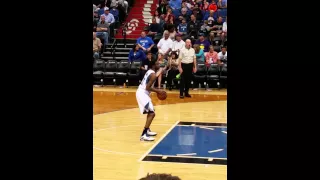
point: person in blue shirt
(115, 12)
(175, 4)
(199, 53)
(136, 54)
(145, 43)
(183, 27)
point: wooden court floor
(117, 126)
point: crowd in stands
(106, 15)
(204, 22)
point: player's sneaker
(146, 138)
(150, 133)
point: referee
(187, 64)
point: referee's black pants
(186, 78)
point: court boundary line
(158, 106)
(155, 144)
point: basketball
(162, 96)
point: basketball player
(144, 100)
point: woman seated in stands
(172, 33)
(205, 5)
(169, 16)
(211, 56)
(136, 54)
(211, 38)
(173, 68)
(163, 66)
(199, 53)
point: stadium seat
(98, 68)
(134, 71)
(214, 74)
(223, 75)
(122, 71)
(217, 41)
(110, 70)
(201, 75)
(217, 48)
(222, 12)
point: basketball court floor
(191, 141)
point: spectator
(222, 56)
(221, 4)
(136, 54)
(165, 44)
(175, 4)
(169, 25)
(199, 53)
(124, 4)
(205, 6)
(173, 62)
(172, 33)
(213, 6)
(154, 28)
(224, 32)
(219, 22)
(193, 25)
(217, 26)
(145, 43)
(211, 38)
(205, 28)
(156, 16)
(95, 22)
(101, 10)
(203, 43)
(145, 65)
(96, 46)
(122, 13)
(163, 66)
(211, 56)
(184, 14)
(169, 17)
(94, 7)
(109, 18)
(198, 14)
(183, 28)
(102, 30)
(162, 8)
(178, 44)
(160, 177)
(211, 19)
(115, 12)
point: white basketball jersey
(145, 81)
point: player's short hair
(160, 177)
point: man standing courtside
(187, 64)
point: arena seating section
(113, 67)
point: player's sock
(144, 131)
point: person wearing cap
(109, 17)
(203, 43)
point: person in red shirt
(211, 56)
(213, 6)
(169, 16)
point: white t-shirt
(164, 45)
(224, 27)
(221, 56)
(178, 45)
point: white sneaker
(146, 138)
(149, 133)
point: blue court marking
(193, 139)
